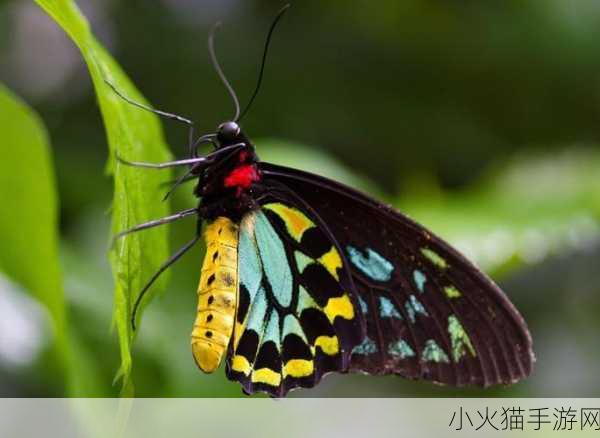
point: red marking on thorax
(242, 177)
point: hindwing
(298, 316)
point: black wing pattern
(430, 313)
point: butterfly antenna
(264, 59)
(219, 70)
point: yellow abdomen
(217, 295)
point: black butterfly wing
(430, 313)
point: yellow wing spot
(339, 306)
(434, 258)
(240, 364)
(329, 344)
(295, 221)
(452, 292)
(266, 375)
(298, 368)
(332, 262)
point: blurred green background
(479, 119)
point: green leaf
(133, 134)
(29, 219)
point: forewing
(298, 317)
(430, 313)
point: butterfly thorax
(228, 187)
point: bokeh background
(479, 119)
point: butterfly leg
(165, 165)
(198, 162)
(182, 180)
(186, 177)
(166, 115)
(155, 223)
(189, 175)
(176, 256)
(194, 169)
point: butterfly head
(229, 133)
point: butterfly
(304, 276)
